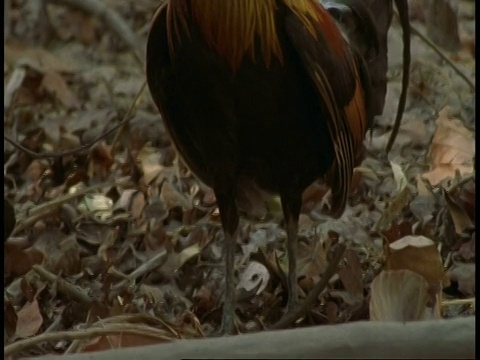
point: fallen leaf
(398, 295)
(254, 278)
(452, 149)
(54, 84)
(399, 176)
(351, 274)
(460, 218)
(149, 162)
(418, 254)
(29, 320)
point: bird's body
(259, 94)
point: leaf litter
(121, 241)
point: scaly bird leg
(291, 211)
(230, 219)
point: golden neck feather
(231, 26)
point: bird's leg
(230, 219)
(291, 211)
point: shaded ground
(120, 237)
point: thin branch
(444, 57)
(72, 291)
(107, 329)
(55, 154)
(312, 296)
(32, 215)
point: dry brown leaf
(418, 254)
(452, 149)
(29, 320)
(460, 218)
(19, 261)
(55, 85)
(149, 162)
(398, 295)
(351, 274)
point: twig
(153, 263)
(112, 19)
(55, 154)
(128, 115)
(145, 318)
(444, 57)
(402, 7)
(107, 329)
(72, 291)
(314, 293)
(45, 209)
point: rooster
(260, 96)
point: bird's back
(259, 120)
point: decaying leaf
(255, 278)
(460, 218)
(29, 320)
(452, 149)
(418, 254)
(399, 295)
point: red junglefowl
(259, 94)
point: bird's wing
(341, 81)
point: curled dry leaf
(418, 254)
(254, 279)
(398, 295)
(399, 176)
(149, 162)
(452, 149)
(97, 205)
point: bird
(260, 96)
